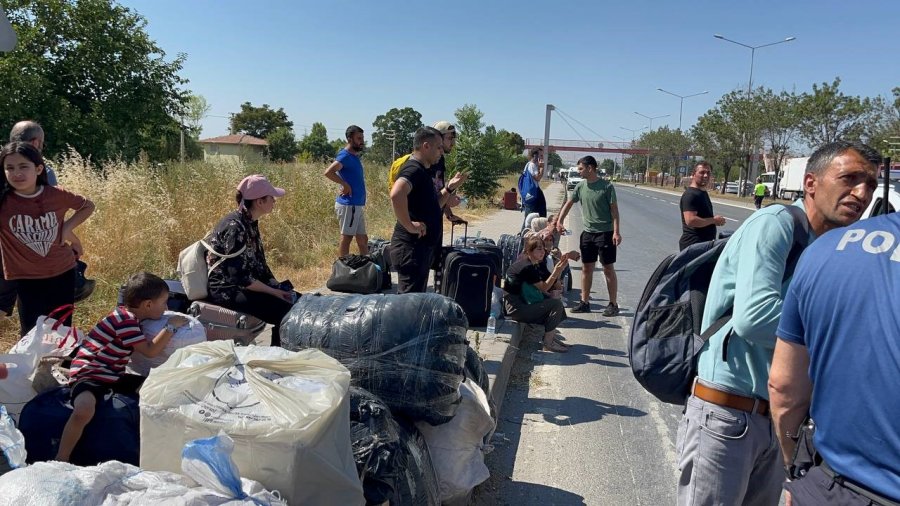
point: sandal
(555, 347)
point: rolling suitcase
(221, 323)
(510, 247)
(468, 276)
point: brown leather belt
(730, 400)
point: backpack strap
(222, 257)
(799, 243)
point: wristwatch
(171, 328)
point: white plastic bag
(191, 333)
(12, 443)
(287, 412)
(456, 446)
(49, 337)
(116, 484)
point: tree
(259, 121)
(886, 134)
(282, 145)
(476, 153)
(315, 144)
(780, 121)
(667, 148)
(608, 166)
(511, 142)
(399, 123)
(90, 74)
(827, 115)
(718, 137)
(195, 109)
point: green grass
(146, 215)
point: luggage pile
(419, 415)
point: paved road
(578, 429)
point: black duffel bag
(355, 274)
(409, 349)
(112, 434)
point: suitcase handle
(465, 231)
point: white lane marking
(661, 428)
(730, 219)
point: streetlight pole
(750, 86)
(633, 130)
(651, 128)
(681, 98)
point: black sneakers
(611, 310)
(581, 307)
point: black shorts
(128, 384)
(97, 388)
(598, 244)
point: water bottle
(491, 330)
(565, 283)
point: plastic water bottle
(491, 330)
(565, 288)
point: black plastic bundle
(409, 350)
(376, 446)
(418, 485)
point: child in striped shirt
(104, 353)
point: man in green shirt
(600, 215)
(759, 191)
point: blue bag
(529, 189)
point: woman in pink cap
(244, 282)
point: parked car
(731, 188)
(573, 178)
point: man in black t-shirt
(417, 206)
(698, 224)
(439, 169)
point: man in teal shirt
(727, 446)
(600, 237)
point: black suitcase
(510, 247)
(468, 276)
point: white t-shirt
(532, 168)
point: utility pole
(181, 128)
(547, 138)
(392, 135)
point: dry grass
(145, 215)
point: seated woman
(244, 282)
(524, 292)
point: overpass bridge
(617, 147)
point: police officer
(838, 353)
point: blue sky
(343, 63)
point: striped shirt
(105, 351)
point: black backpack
(665, 336)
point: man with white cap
(244, 282)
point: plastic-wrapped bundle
(376, 446)
(418, 485)
(409, 349)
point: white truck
(791, 184)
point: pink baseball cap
(257, 186)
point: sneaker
(611, 310)
(581, 307)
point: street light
(651, 128)
(682, 97)
(750, 85)
(753, 54)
